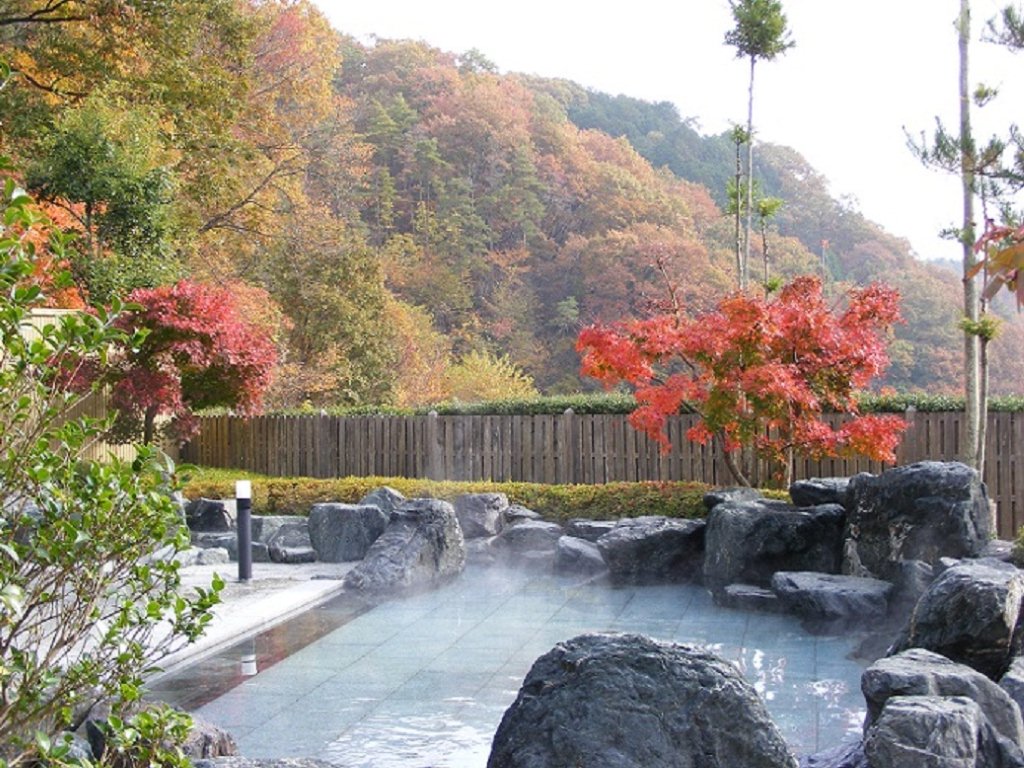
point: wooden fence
(567, 448)
(95, 405)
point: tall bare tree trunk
(750, 178)
(971, 449)
(739, 214)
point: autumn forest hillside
(398, 216)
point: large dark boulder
(573, 555)
(816, 491)
(421, 547)
(832, 597)
(918, 672)
(480, 514)
(970, 614)
(264, 527)
(1013, 681)
(627, 701)
(341, 533)
(936, 732)
(591, 530)
(718, 496)
(922, 511)
(516, 513)
(527, 542)
(653, 549)
(385, 498)
(291, 544)
(208, 516)
(747, 542)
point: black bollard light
(243, 501)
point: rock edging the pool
(909, 548)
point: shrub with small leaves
(90, 595)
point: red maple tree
(197, 352)
(760, 372)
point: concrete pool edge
(275, 594)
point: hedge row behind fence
(567, 448)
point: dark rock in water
(627, 701)
(721, 495)
(208, 740)
(747, 542)
(1013, 681)
(341, 533)
(591, 530)
(385, 498)
(932, 731)
(747, 597)
(291, 544)
(819, 490)
(921, 511)
(970, 615)
(421, 547)
(847, 755)
(918, 672)
(514, 514)
(479, 514)
(527, 542)
(574, 555)
(208, 515)
(653, 549)
(831, 596)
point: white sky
(860, 72)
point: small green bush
(557, 503)
(619, 403)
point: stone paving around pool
(424, 680)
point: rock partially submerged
(421, 547)
(480, 514)
(748, 542)
(929, 731)
(832, 597)
(343, 533)
(922, 511)
(918, 672)
(970, 614)
(819, 490)
(627, 701)
(653, 549)
(573, 555)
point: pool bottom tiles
(424, 681)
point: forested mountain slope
(403, 207)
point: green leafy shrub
(86, 607)
(558, 503)
(619, 403)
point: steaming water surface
(424, 681)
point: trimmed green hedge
(557, 503)
(600, 403)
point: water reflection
(426, 680)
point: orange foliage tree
(760, 372)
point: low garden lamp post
(243, 501)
